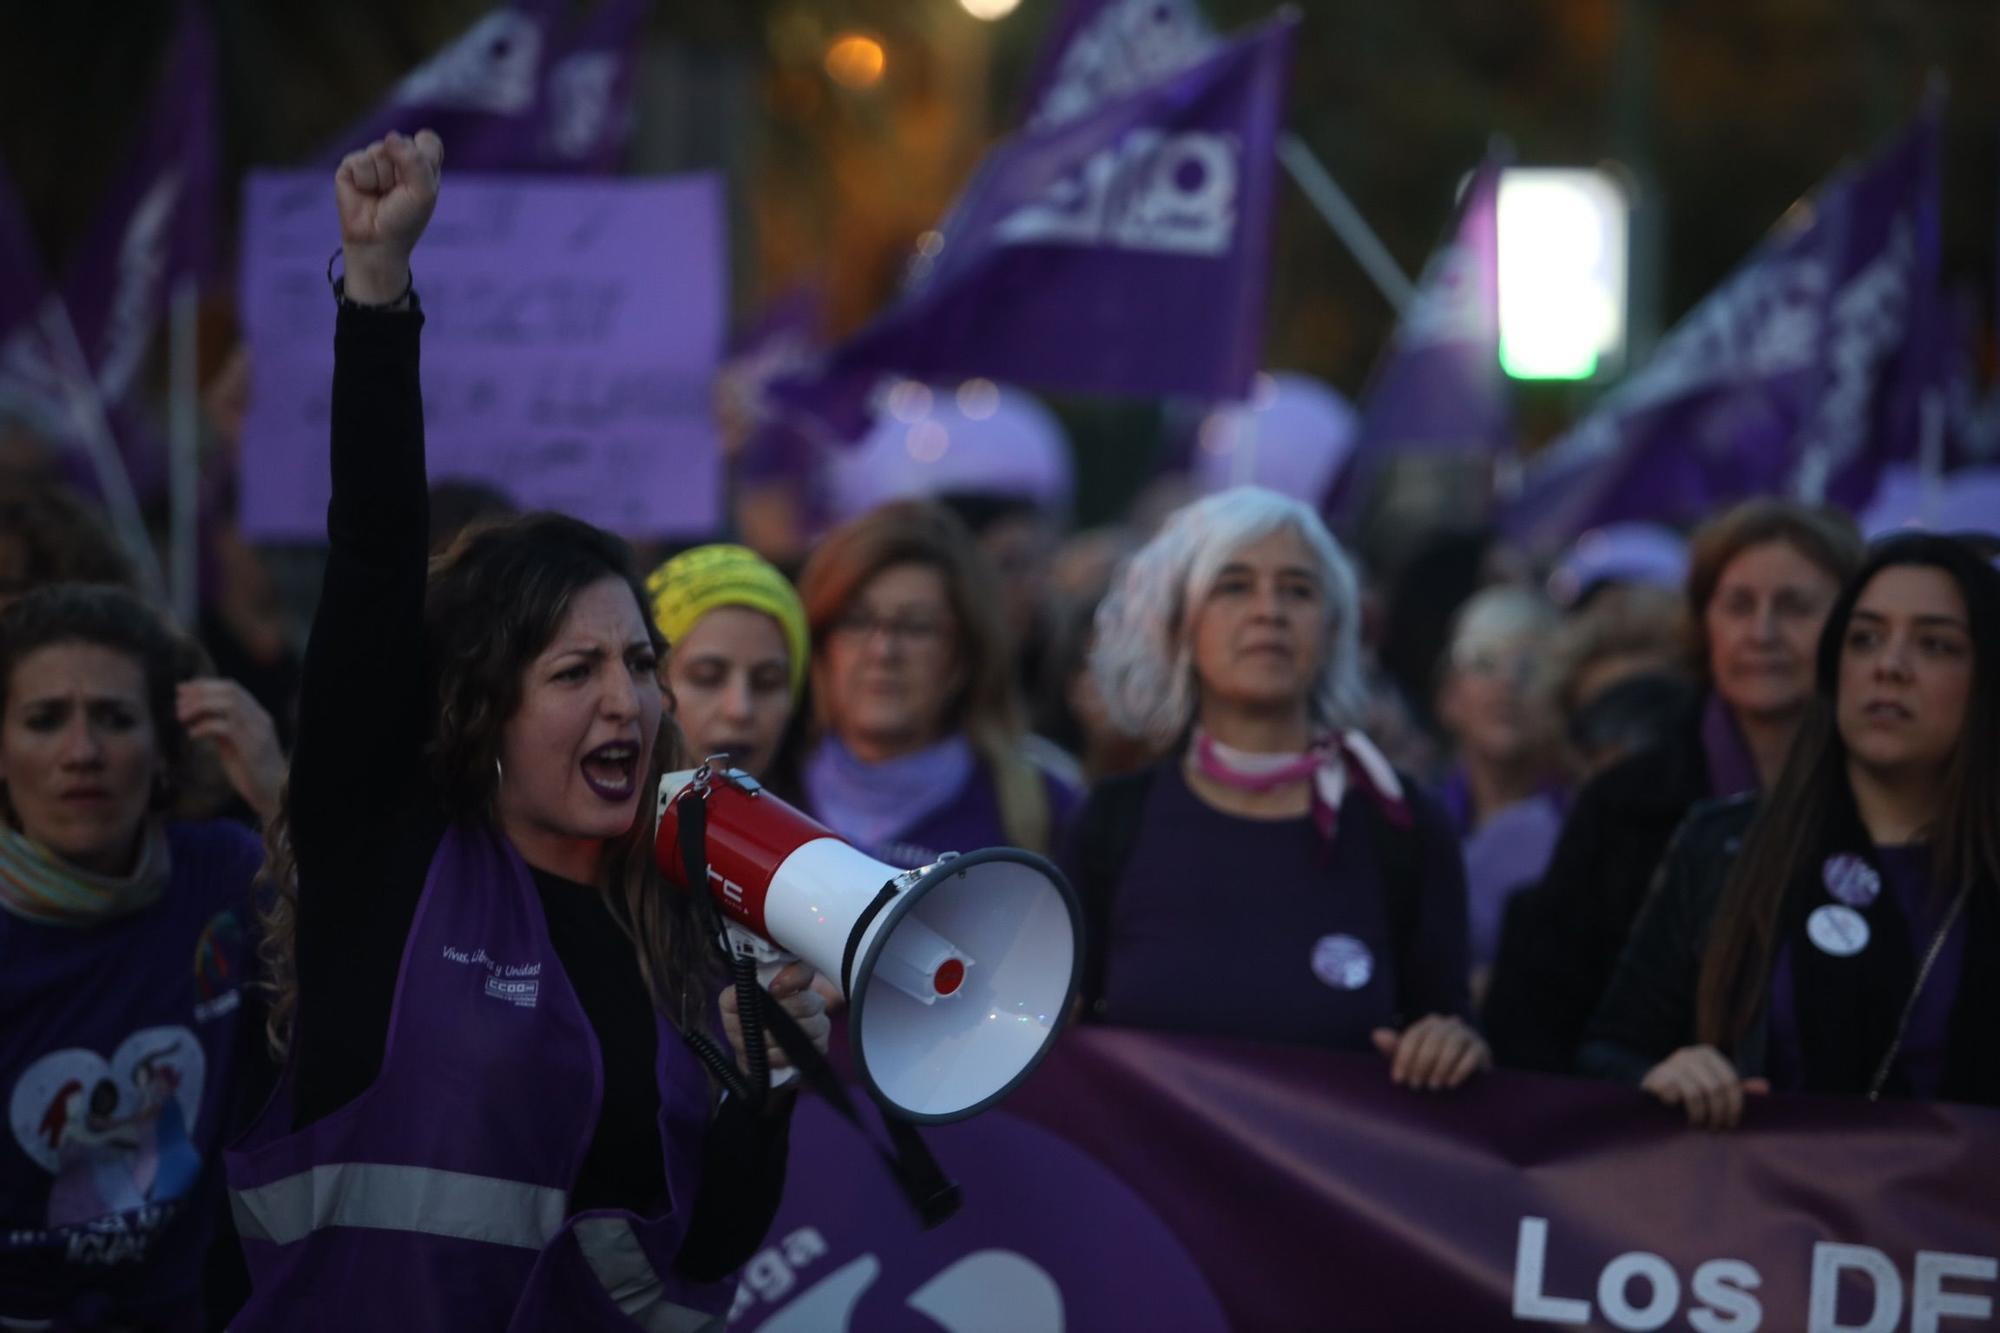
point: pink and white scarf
(1334, 762)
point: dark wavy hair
(116, 618)
(1791, 832)
(494, 601)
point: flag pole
(100, 446)
(1930, 455)
(183, 454)
(1339, 213)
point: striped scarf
(38, 885)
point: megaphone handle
(750, 1010)
(933, 1194)
(692, 832)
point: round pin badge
(1342, 962)
(1850, 880)
(1837, 930)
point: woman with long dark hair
(1836, 940)
(1760, 580)
(492, 1117)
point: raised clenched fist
(386, 193)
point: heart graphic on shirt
(74, 1103)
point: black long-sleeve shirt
(366, 822)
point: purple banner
(1147, 1181)
(1124, 252)
(514, 92)
(574, 329)
(1439, 387)
(1795, 377)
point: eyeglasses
(915, 631)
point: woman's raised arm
(362, 721)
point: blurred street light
(855, 60)
(1562, 272)
(989, 10)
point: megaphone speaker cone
(994, 1009)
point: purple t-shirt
(1906, 875)
(119, 1044)
(1259, 928)
(1507, 853)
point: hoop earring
(499, 775)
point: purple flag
(90, 335)
(35, 386)
(782, 340)
(1438, 387)
(23, 285)
(158, 223)
(1121, 253)
(1100, 50)
(514, 93)
(1792, 378)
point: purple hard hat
(977, 437)
(1967, 500)
(1643, 553)
(1293, 436)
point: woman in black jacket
(1846, 946)
(1760, 580)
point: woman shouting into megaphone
(490, 1118)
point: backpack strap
(1106, 829)
(1399, 850)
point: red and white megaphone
(957, 975)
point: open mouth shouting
(612, 770)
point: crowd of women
(1715, 822)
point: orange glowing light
(856, 60)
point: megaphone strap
(881, 900)
(692, 814)
(917, 1173)
(923, 1182)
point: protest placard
(573, 329)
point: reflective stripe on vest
(464, 1207)
(612, 1250)
(400, 1198)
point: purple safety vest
(439, 1197)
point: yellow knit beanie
(695, 582)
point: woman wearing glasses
(918, 749)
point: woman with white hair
(1274, 877)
